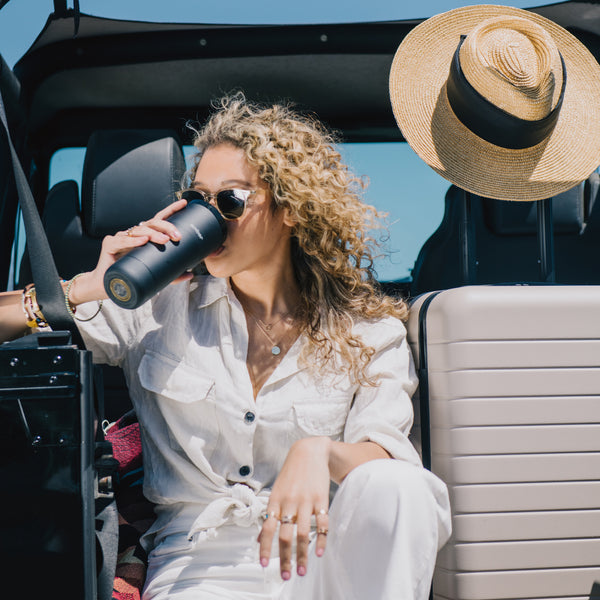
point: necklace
(264, 328)
(268, 326)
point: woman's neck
(267, 297)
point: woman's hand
(157, 229)
(300, 491)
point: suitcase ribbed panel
(516, 440)
(514, 401)
(538, 554)
(542, 410)
(586, 597)
(571, 466)
(540, 525)
(508, 585)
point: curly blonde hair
(332, 251)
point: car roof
(84, 72)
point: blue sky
(401, 184)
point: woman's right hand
(90, 286)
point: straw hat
(527, 93)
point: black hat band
(491, 122)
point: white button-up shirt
(211, 451)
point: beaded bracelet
(71, 309)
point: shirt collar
(208, 289)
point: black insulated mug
(141, 273)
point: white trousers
(386, 524)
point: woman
(280, 371)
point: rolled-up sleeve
(383, 413)
(110, 333)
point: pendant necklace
(264, 328)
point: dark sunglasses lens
(231, 203)
(191, 195)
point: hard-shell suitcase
(508, 414)
(47, 477)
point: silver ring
(287, 519)
(141, 223)
(272, 513)
(323, 511)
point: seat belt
(51, 300)
(50, 295)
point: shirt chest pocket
(186, 400)
(324, 416)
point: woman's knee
(388, 478)
(392, 491)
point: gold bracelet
(32, 308)
(31, 322)
(72, 309)
(94, 315)
(37, 311)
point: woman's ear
(287, 218)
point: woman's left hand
(300, 491)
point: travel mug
(141, 273)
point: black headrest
(128, 176)
(520, 218)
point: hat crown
(515, 65)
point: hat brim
(418, 94)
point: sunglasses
(230, 203)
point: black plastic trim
(424, 383)
(209, 42)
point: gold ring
(287, 519)
(128, 231)
(322, 531)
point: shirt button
(249, 417)
(244, 471)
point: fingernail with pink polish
(302, 570)
(285, 575)
(320, 551)
(264, 562)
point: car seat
(505, 241)
(128, 176)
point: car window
(411, 193)
(399, 184)
(406, 190)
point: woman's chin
(215, 267)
